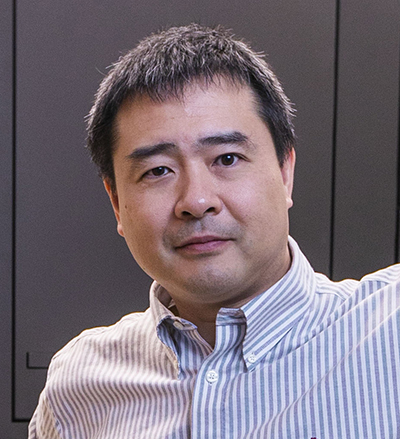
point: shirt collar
(271, 315)
(160, 303)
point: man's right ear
(112, 193)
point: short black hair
(162, 65)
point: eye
(227, 159)
(157, 172)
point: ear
(115, 204)
(287, 171)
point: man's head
(164, 64)
(193, 136)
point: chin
(213, 285)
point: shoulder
(382, 289)
(100, 356)
(382, 285)
(385, 276)
(75, 362)
(368, 284)
(375, 294)
(101, 344)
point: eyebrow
(144, 152)
(234, 137)
(147, 151)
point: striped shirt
(309, 358)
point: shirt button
(212, 376)
(178, 325)
(252, 358)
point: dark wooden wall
(62, 266)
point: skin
(201, 199)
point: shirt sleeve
(43, 424)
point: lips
(200, 240)
(202, 244)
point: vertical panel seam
(334, 138)
(15, 418)
(397, 222)
(13, 213)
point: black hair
(164, 64)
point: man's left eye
(227, 159)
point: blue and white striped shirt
(309, 358)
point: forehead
(200, 110)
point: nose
(198, 196)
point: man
(193, 137)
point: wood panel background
(62, 266)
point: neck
(203, 317)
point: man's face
(200, 197)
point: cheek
(143, 225)
(141, 236)
(262, 206)
(256, 196)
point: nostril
(199, 214)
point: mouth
(203, 244)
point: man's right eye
(157, 172)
